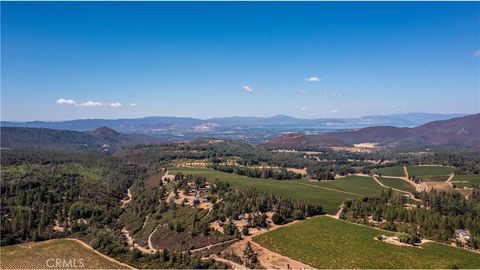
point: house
(462, 235)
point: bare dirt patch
(439, 186)
(267, 258)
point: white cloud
(63, 101)
(133, 104)
(313, 79)
(115, 104)
(334, 111)
(476, 53)
(304, 108)
(91, 104)
(247, 89)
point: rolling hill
(101, 139)
(462, 131)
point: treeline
(277, 174)
(437, 217)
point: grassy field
(42, 255)
(324, 242)
(429, 170)
(297, 189)
(364, 186)
(397, 183)
(391, 171)
(469, 179)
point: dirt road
(213, 245)
(128, 199)
(150, 245)
(132, 244)
(337, 215)
(234, 265)
(101, 254)
(405, 171)
(410, 195)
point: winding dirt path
(150, 245)
(132, 244)
(213, 245)
(128, 199)
(234, 265)
(101, 254)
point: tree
(229, 228)
(297, 214)
(277, 219)
(245, 230)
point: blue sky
(309, 60)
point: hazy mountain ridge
(185, 124)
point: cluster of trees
(251, 257)
(277, 174)
(237, 202)
(408, 238)
(321, 172)
(437, 217)
(181, 181)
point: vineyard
(58, 254)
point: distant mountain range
(462, 131)
(184, 125)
